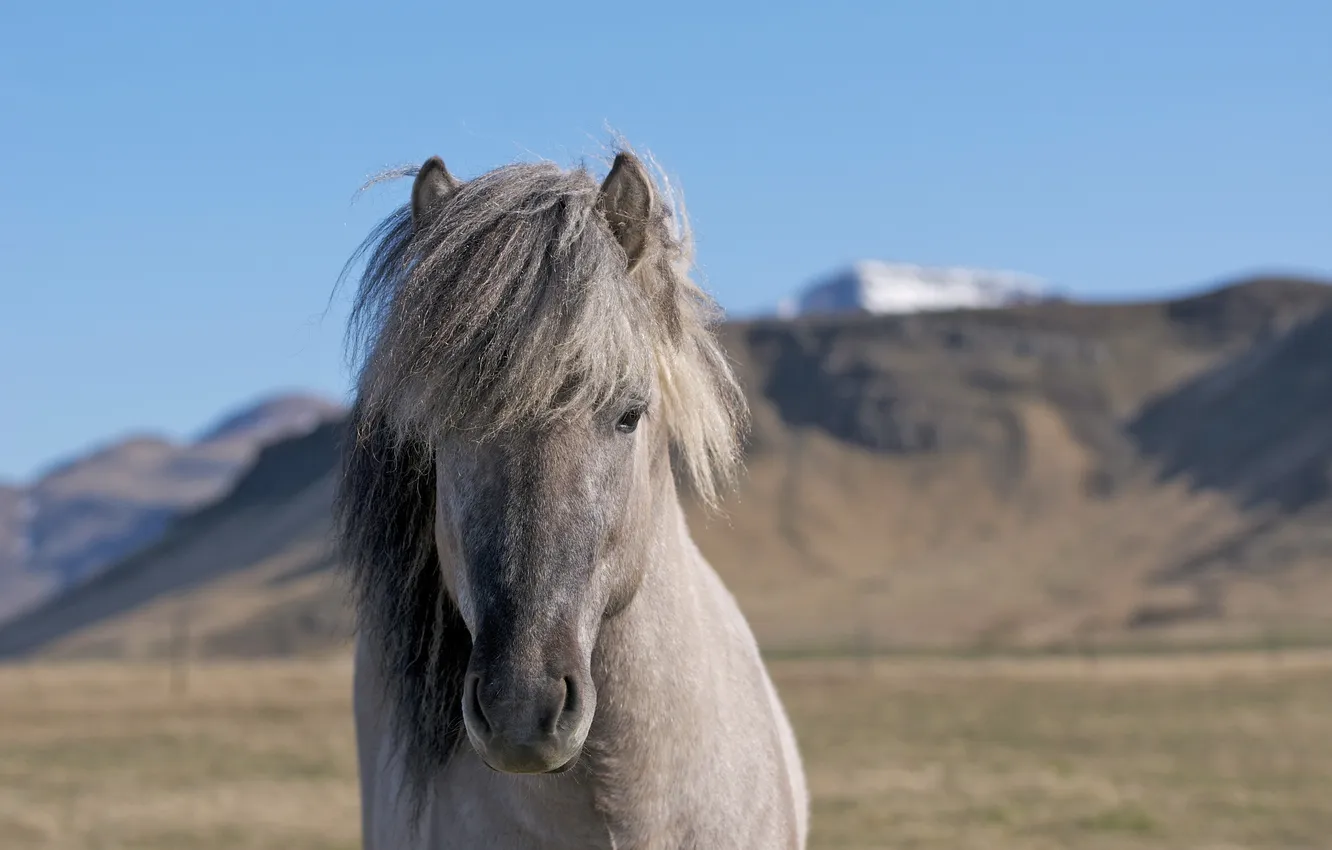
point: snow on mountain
(873, 286)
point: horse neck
(653, 658)
(667, 603)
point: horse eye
(628, 421)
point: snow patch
(873, 286)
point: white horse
(545, 659)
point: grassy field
(1216, 751)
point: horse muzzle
(527, 724)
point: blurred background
(1030, 300)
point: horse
(543, 657)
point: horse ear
(626, 202)
(434, 185)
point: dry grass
(101, 757)
(1182, 752)
(1178, 753)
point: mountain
(1259, 430)
(1043, 474)
(100, 507)
(271, 419)
(872, 286)
(19, 588)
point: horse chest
(475, 806)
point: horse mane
(510, 306)
(384, 515)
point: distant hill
(100, 507)
(1257, 429)
(1034, 475)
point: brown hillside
(1025, 476)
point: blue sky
(177, 180)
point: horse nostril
(472, 695)
(572, 703)
(563, 705)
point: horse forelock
(513, 306)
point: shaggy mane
(513, 306)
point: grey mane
(384, 515)
(510, 308)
